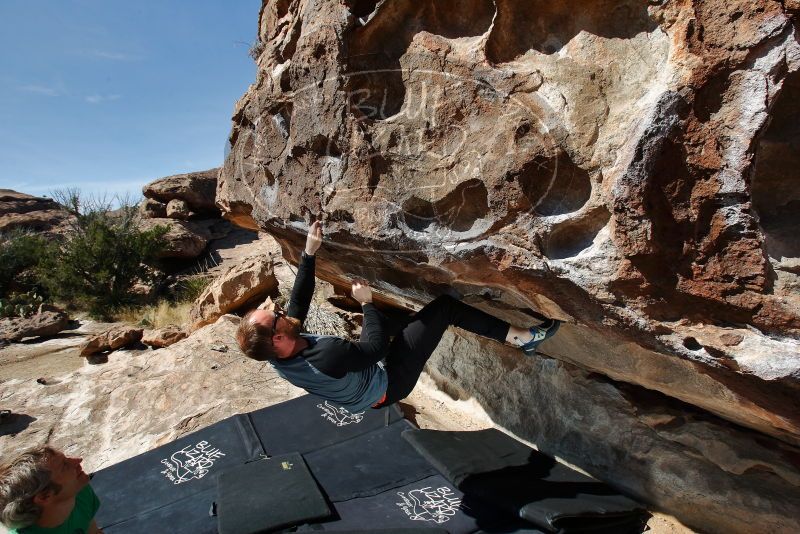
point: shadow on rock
(14, 423)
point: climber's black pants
(415, 343)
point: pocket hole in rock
(775, 184)
(555, 186)
(691, 343)
(457, 211)
(375, 78)
(573, 236)
(546, 26)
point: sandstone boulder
(712, 475)
(629, 169)
(179, 209)
(197, 189)
(18, 210)
(152, 209)
(185, 239)
(239, 244)
(47, 321)
(164, 337)
(245, 283)
(216, 229)
(112, 339)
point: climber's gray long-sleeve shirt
(346, 373)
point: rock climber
(373, 371)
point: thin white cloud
(112, 56)
(97, 99)
(40, 90)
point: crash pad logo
(426, 504)
(191, 462)
(339, 416)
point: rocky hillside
(628, 167)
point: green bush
(98, 264)
(20, 253)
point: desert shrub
(20, 253)
(255, 49)
(20, 304)
(96, 266)
(190, 288)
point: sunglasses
(278, 314)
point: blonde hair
(20, 481)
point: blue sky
(110, 95)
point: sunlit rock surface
(629, 167)
(46, 321)
(115, 338)
(139, 399)
(192, 191)
(187, 239)
(248, 282)
(159, 338)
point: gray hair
(20, 481)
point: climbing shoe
(540, 333)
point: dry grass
(166, 312)
(156, 315)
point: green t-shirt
(86, 505)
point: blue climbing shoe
(540, 333)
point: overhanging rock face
(627, 166)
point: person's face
(67, 473)
(283, 343)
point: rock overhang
(595, 169)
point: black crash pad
(492, 467)
(379, 479)
(268, 494)
(309, 423)
(190, 514)
(372, 479)
(171, 488)
(430, 503)
(175, 471)
(368, 464)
